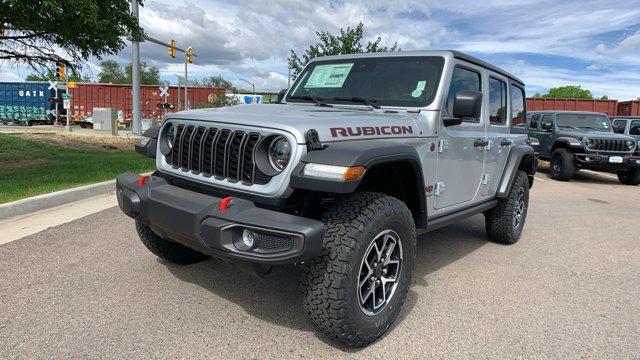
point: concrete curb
(46, 201)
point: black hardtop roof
(565, 112)
(475, 60)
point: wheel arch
(521, 157)
(392, 168)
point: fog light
(247, 238)
(587, 158)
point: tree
(220, 101)
(111, 72)
(215, 81)
(349, 41)
(604, 97)
(50, 75)
(567, 92)
(39, 33)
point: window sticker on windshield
(328, 76)
(419, 88)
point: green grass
(29, 168)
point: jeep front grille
(221, 153)
(609, 145)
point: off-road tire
(499, 221)
(330, 281)
(566, 167)
(167, 250)
(629, 176)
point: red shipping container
(608, 107)
(629, 108)
(87, 96)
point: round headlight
(589, 142)
(279, 153)
(630, 144)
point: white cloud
(593, 67)
(9, 77)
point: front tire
(505, 222)
(355, 289)
(167, 250)
(562, 165)
(630, 176)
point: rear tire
(348, 294)
(630, 176)
(562, 165)
(168, 250)
(505, 222)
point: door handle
(505, 142)
(480, 143)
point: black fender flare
(519, 154)
(148, 142)
(569, 142)
(365, 153)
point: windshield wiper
(592, 128)
(370, 102)
(569, 126)
(318, 101)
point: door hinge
(442, 146)
(439, 189)
(486, 178)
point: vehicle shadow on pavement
(277, 298)
(585, 177)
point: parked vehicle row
(572, 141)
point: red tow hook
(142, 179)
(225, 203)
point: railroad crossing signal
(172, 51)
(60, 70)
(53, 84)
(164, 91)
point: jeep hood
(593, 134)
(332, 124)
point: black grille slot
(270, 243)
(175, 153)
(207, 151)
(196, 143)
(222, 153)
(220, 150)
(247, 158)
(233, 155)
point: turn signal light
(333, 172)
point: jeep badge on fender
(363, 154)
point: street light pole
(186, 84)
(135, 72)
(179, 77)
(250, 83)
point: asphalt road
(569, 289)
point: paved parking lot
(569, 289)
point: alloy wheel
(519, 208)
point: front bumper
(605, 160)
(196, 220)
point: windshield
(583, 121)
(404, 81)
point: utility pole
(289, 78)
(178, 76)
(135, 71)
(188, 58)
(253, 86)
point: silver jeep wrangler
(363, 154)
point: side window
(497, 101)
(635, 128)
(547, 119)
(619, 125)
(462, 80)
(535, 119)
(517, 106)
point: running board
(444, 220)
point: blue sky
(595, 44)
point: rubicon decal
(370, 130)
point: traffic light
(189, 54)
(60, 70)
(172, 51)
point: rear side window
(547, 119)
(619, 125)
(534, 121)
(517, 106)
(497, 101)
(635, 128)
(462, 80)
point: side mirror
(148, 142)
(467, 104)
(547, 126)
(281, 94)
